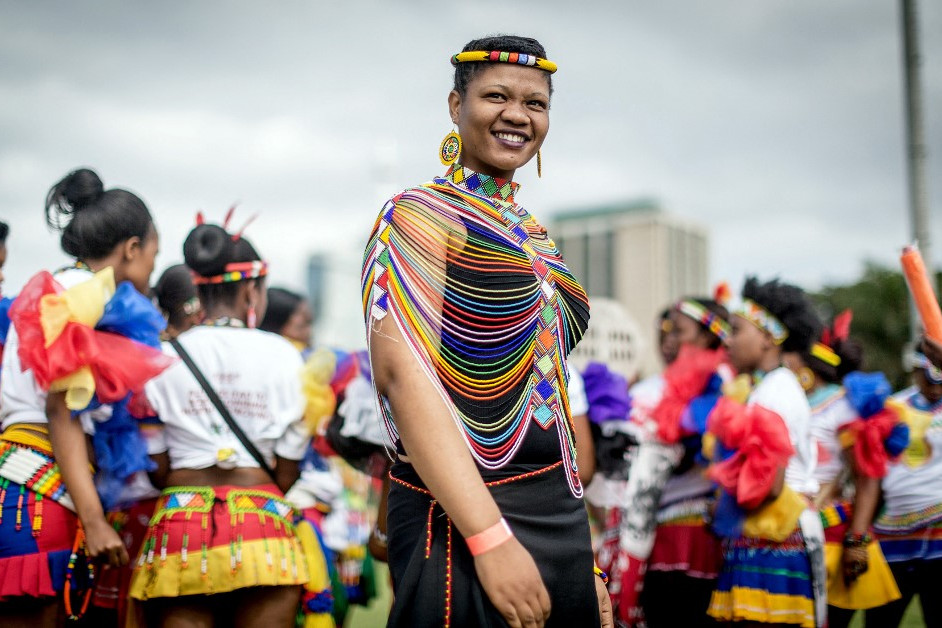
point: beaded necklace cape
(488, 307)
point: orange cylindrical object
(920, 286)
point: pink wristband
(489, 539)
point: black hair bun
(207, 250)
(81, 188)
(851, 353)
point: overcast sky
(779, 124)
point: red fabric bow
(762, 446)
(119, 365)
(869, 435)
(684, 379)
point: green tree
(880, 302)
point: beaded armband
(601, 574)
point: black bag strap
(221, 408)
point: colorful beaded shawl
(487, 305)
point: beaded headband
(933, 373)
(237, 271)
(716, 325)
(764, 320)
(496, 56)
(825, 354)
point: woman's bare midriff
(214, 476)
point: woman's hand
(605, 604)
(513, 584)
(854, 563)
(103, 544)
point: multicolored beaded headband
(237, 271)
(825, 354)
(716, 325)
(920, 361)
(496, 56)
(764, 320)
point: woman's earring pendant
(450, 149)
(539, 164)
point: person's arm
(438, 452)
(71, 452)
(867, 495)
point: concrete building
(637, 255)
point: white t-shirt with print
(256, 375)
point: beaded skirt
(214, 539)
(36, 530)
(765, 581)
(875, 587)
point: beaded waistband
(31, 465)
(909, 522)
(192, 500)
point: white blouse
(256, 375)
(780, 392)
(829, 414)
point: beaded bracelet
(601, 574)
(490, 538)
(857, 540)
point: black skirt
(433, 574)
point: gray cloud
(778, 123)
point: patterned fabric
(924, 543)
(764, 581)
(36, 536)
(683, 541)
(213, 539)
(487, 306)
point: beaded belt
(26, 459)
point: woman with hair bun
(221, 545)
(471, 313)
(289, 316)
(176, 296)
(59, 362)
(846, 407)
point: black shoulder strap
(221, 407)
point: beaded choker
(764, 320)
(236, 271)
(497, 56)
(716, 325)
(224, 321)
(482, 184)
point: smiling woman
(470, 314)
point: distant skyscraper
(637, 255)
(333, 286)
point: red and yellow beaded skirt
(214, 539)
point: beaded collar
(223, 321)
(482, 184)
